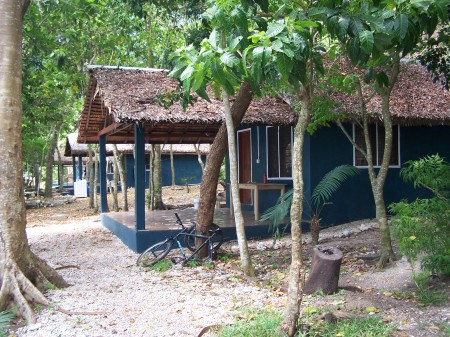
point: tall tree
(23, 275)
(50, 160)
(281, 52)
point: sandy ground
(110, 296)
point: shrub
(421, 227)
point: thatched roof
(73, 148)
(117, 98)
(415, 100)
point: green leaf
(331, 182)
(382, 79)
(401, 26)
(285, 65)
(275, 29)
(214, 39)
(201, 91)
(187, 73)
(178, 69)
(356, 27)
(234, 43)
(264, 4)
(354, 50)
(342, 26)
(217, 72)
(423, 5)
(366, 41)
(229, 59)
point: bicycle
(159, 250)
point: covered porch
(162, 223)
(123, 106)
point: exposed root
(385, 259)
(22, 289)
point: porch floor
(161, 224)
(166, 220)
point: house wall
(329, 148)
(354, 200)
(186, 166)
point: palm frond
(5, 318)
(331, 182)
(275, 214)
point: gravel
(109, 295)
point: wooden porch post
(139, 176)
(74, 169)
(102, 169)
(80, 166)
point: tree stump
(325, 269)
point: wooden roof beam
(113, 128)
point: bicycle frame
(208, 241)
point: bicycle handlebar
(179, 220)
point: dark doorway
(245, 164)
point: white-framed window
(279, 143)
(376, 134)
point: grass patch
(372, 326)
(162, 266)
(428, 294)
(253, 323)
(264, 323)
(5, 318)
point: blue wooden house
(185, 160)
(421, 116)
(123, 106)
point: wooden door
(245, 164)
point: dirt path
(111, 296)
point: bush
(421, 227)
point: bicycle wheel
(189, 240)
(154, 253)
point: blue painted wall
(354, 200)
(186, 166)
(329, 148)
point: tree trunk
(115, 185)
(296, 273)
(37, 181)
(246, 262)
(325, 270)
(199, 157)
(23, 275)
(208, 186)
(157, 181)
(50, 160)
(60, 172)
(92, 173)
(123, 181)
(96, 161)
(151, 194)
(172, 167)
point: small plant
(209, 265)
(5, 318)
(402, 295)
(421, 227)
(320, 196)
(193, 263)
(319, 323)
(162, 266)
(428, 294)
(251, 322)
(185, 181)
(225, 257)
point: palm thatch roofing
(73, 148)
(117, 98)
(415, 99)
